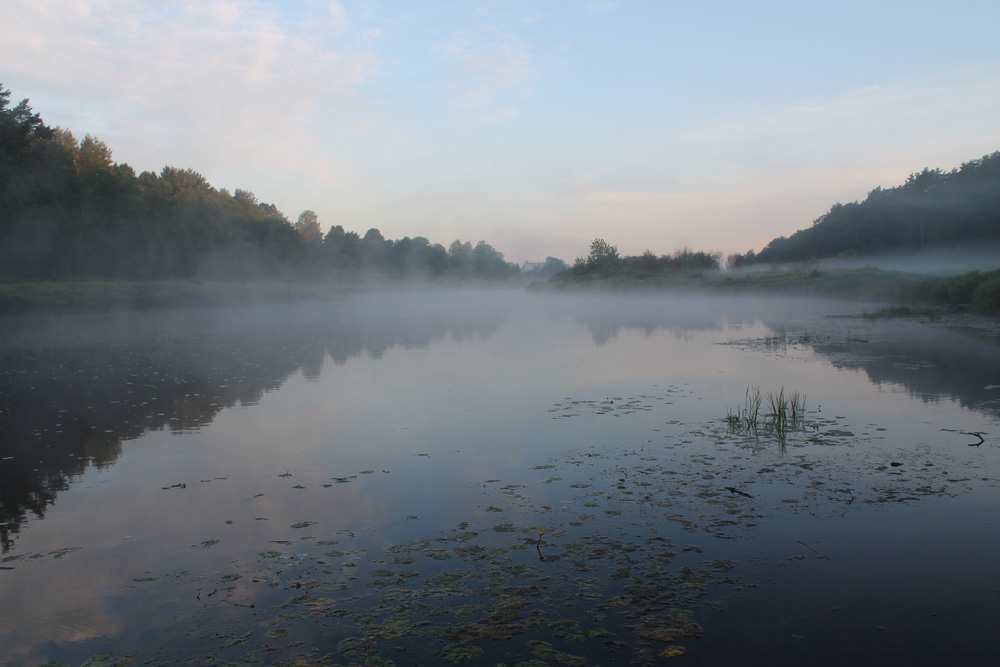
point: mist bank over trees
(689, 271)
(68, 211)
(932, 209)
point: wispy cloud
(484, 63)
(223, 74)
(871, 104)
(599, 6)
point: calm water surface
(496, 477)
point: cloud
(483, 64)
(198, 82)
(338, 16)
(599, 6)
(852, 110)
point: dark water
(487, 478)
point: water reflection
(401, 484)
(683, 315)
(73, 390)
(680, 315)
(931, 363)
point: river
(487, 477)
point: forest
(68, 211)
(932, 209)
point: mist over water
(388, 476)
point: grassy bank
(977, 290)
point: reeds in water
(745, 418)
(785, 410)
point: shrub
(986, 297)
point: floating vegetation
(55, 554)
(460, 652)
(557, 594)
(101, 660)
(605, 568)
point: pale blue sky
(535, 126)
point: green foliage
(933, 208)
(737, 261)
(986, 297)
(784, 411)
(308, 226)
(604, 263)
(746, 418)
(69, 212)
(603, 256)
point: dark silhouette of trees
(603, 256)
(69, 211)
(604, 261)
(737, 261)
(308, 226)
(543, 271)
(932, 208)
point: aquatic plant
(784, 411)
(778, 340)
(745, 418)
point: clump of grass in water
(746, 418)
(778, 340)
(779, 410)
(785, 411)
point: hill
(933, 208)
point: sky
(536, 126)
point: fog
(938, 261)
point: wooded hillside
(932, 208)
(68, 211)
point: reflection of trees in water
(680, 317)
(67, 405)
(930, 362)
(605, 332)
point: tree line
(604, 261)
(933, 208)
(68, 211)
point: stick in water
(821, 554)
